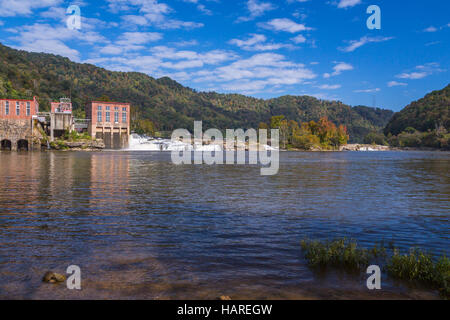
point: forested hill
(165, 102)
(428, 113)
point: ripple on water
(140, 227)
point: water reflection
(140, 227)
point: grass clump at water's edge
(338, 253)
(416, 267)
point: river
(140, 227)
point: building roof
(110, 102)
(16, 100)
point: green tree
(275, 122)
(375, 138)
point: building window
(108, 108)
(108, 117)
(99, 108)
(28, 109)
(99, 116)
(116, 117)
(18, 108)
(124, 109)
(116, 108)
(7, 108)
(124, 117)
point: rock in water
(53, 277)
(224, 298)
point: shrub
(417, 266)
(75, 136)
(339, 253)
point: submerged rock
(53, 277)
(225, 298)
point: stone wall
(15, 130)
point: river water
(140, 227)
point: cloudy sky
(263, 48)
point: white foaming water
(143, 143)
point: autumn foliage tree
(322, 135)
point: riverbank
(81, 145)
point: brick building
(63, 106)
(110, 121)
(18, 109)
(16, 125)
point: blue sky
(262, 48)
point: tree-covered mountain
(422, 124)
(426, 114)
(168, 104)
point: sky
(261, 48)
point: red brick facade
(110, 121)
(18, 109)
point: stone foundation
(18, 132)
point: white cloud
(260, 72)
(200, 7)
(210, 57)
(329, 87)
(284, 24)
(348, 3)
(134, 19)
(150, 12)
(257, 42)
(204, 10)
(421, 71)
(338, 69)
(432, 43)
(299, 39)
(256, 9)
(322, 96)
(147, 64)
(396, 84)
(368, 90)
(27, 34)
(355, 44)
(49, 39)
(131, 38)
(57, 13)
(430, 29)
(185, 43)
(11, 8)
(53, 46)
(163, 59)
(131, 41)
(412, 75)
